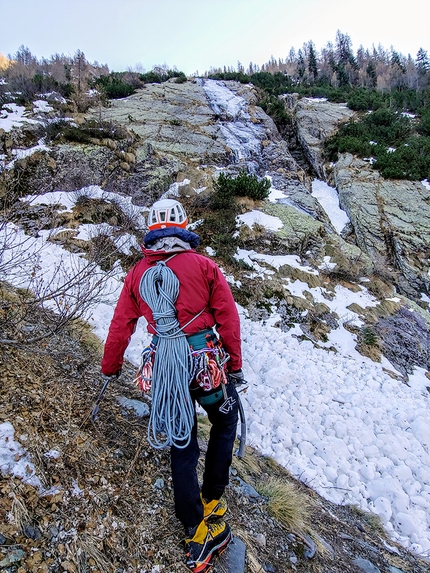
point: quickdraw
(208, 373)
(143, 378)
(209, 367)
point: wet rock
(365, 565)
(391, 221)
(405, 339)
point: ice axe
(242, 438)
(96, 407)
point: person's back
(203, 301)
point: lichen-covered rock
(317, 119)
(391, 220)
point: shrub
(85, 132)
(362, 99)
(276, 109)
(113, 86)
(410, 160)
(243, 185)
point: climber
(204, 301)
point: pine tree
(312, 61)
(371, 74)
(301, 65)
(422, 61)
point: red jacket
(202, 286)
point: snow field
(347, 429)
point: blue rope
(172, 411)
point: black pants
(223, 415)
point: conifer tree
(422, 61)
(371, 74)
(301, 65)
(312, 61)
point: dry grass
(19, 514)
(287, 504)
(86, 553)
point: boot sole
(216, 551)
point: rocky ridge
(186, 133)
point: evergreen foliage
(113, 86)
(227, 187)
(389, 138)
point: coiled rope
(172, 411)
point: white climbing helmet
(167, 213)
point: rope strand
(172, 411)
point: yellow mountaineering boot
(213, 509)
(208, 540)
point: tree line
(23, 76)
(335, 71)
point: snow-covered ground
(336, 420)
(329, 201)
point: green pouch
(211, 398)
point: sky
(195, 35)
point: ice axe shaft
(96, 407)
(242, 438)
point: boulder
(317, 119)
(391, 220)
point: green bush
(113, 86)
(244, 185)
(276, 109)
(424, 125)
(399, 153)
(85, 132)
(411, 160)
(362, 99)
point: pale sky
(194, 35)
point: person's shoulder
(202, 259)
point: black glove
(110, 377)
(237, 378)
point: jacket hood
(154, 256)
(188, 236)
